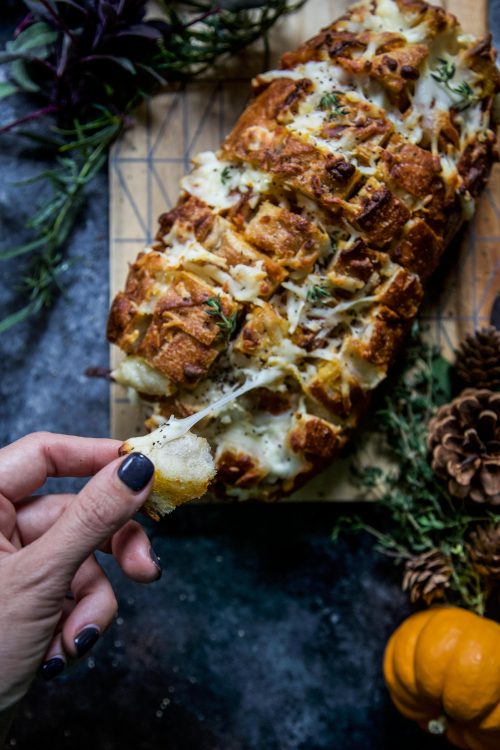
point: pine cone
(478, 359)
(484, 550)
(464, 438)
(427, 576)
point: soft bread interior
(184, 467)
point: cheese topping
(386, 17)
(136, 373)
(430, 101)
(266, 438)
(336, 311)
(220, 183)
(183, 248)
(241, 281)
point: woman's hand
(55, 600)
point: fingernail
(136, 471)
(156, 561)
(85, 639)
(52, 667)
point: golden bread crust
(303, 245)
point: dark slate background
(261, 635)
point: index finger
(26, 464)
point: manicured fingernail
(156, 561)
(85, 639)
(52, 667)
(136, 471)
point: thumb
(103, 506)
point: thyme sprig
(79, 154)
(417, 512)
(444, 73)
(85, 66)
(225, 175)
(226, 325)
(318, 293)
(330, 103)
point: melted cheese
(135, 372)
(183, 248)
(319, 317)
(295, 304)
(174, 428)
(387, 17)
(245, 281)
(266, 438)
(433, 98)
(220, 183)
(241, 281)
(229, 418)
(430, 100)
(311, 116)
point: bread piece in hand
(184, 467)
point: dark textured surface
(261, 635)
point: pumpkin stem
(438, 726)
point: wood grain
(147, 164)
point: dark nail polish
(156, 561)
(136, 471)
(52, 667)
(85, 639)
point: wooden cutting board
(147, 164)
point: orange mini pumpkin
(442, 668)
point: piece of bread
(302, 246)
(184, 468)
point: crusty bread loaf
(184, 467)
(303, 245)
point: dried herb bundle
(85, 64)
(418, 515)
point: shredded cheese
(135, 372)
(220, 183)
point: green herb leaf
(15, 252)
(34, 36)
(19, 73)
(445, 71)
(328, 101)
(417, 513)
(225, 175)
(227, 325)
(318, 293)
(466, 94)
(331, 102)
(7, 89)
(77, 63)
(17, 317)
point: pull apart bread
(297, 253)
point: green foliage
(88, 65)
(330, 102)
(417, 512)
(318, 293)
(444, 74)
(79, 156)
(7, 89)
(200, 31)
(445, 71)
(225, 175)
(226, 325)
